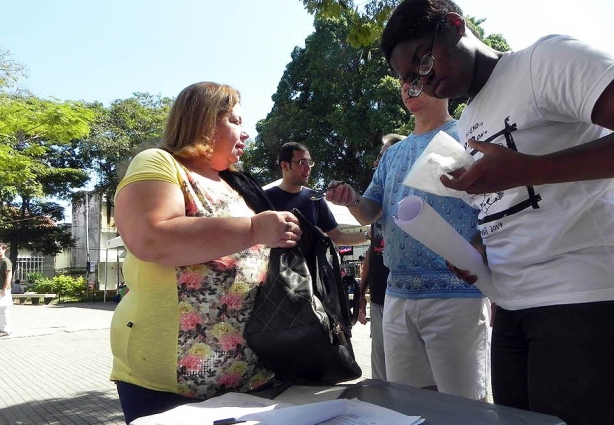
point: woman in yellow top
(198, 234)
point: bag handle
(354, 303)
(351, 306)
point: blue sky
(106, 50)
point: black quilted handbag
(301, 323)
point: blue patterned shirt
(415, 271)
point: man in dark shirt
(296, 163)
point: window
(27, 265)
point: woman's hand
(277, 229)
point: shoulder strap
(322, 260)
(244, 184)
(249, 189)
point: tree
(365, 25)
(40, 158)
(10, 71)
(338, 96)
(337, 100)
(50, 148)
(118, 131)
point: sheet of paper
(423, 223)
(362, 413)
(230, 405)
(304, 394)
(306, 414)
(442, 155)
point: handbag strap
(335, 297)
(249, 189)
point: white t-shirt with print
(549, 244)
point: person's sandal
(4, 333)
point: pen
(227, 421)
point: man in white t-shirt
(539, 124)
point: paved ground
(56, 364)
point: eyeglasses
(425, 68)
(303, 162)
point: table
(442, 409)
(436, 408)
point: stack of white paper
(251, 410)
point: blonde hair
(193, 117)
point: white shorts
(439, 342)
(378, 360)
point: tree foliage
(118, 131)
(367, 23)
(338, 95)
(336, 100)
(10, 71)
(39, 159)
(50, 148)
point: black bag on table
(301, 323)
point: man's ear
(456, 22)
(284, 165)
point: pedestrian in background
(6, 299)
(295, 163)
(373, 277)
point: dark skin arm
(478, 244)
(501, 168)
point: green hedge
(61, 285)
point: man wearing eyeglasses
(295, 163)
(539, 123)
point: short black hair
(412, 19)
(287, 151)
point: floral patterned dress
(215, 303)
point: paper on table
(363, 413)
(258, 411)
(248, 408)
(230, 405)
(305, 394)
(307, 414)
(421, 221)
(442, 155)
